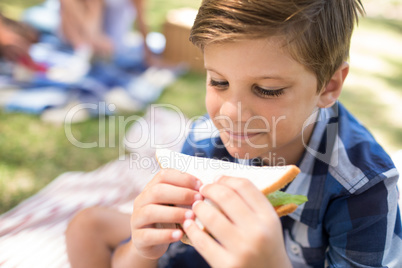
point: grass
(13, 8)
(34, 153)
(372, 90)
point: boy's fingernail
(198, 185)
(186, 224)
(189, 214)
(197, 197)
(177, 234)
(195, 203)
(202, 187)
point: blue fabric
(44, 17)
(37, 100)
(126, 70)
(352, 218)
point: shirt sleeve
(203, 141)
(365, 229)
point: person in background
(101, 24)
(15, 40)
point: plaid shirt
(352, 217)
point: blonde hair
(317, 32)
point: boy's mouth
(240, 135)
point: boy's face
(259, 98)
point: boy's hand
(246, 227)
(157, 211)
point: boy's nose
(237, 111)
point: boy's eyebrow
(272, 77)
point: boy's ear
(330, 93)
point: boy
(274, 72)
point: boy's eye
(218, 84)
(267, 93)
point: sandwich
(269, 180)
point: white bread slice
(266, 179)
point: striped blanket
(32, 234)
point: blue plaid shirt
(352, 217)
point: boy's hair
(317, 32)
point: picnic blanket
(32, 234)
(63, 75)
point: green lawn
(33, 153)
(373, 88)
